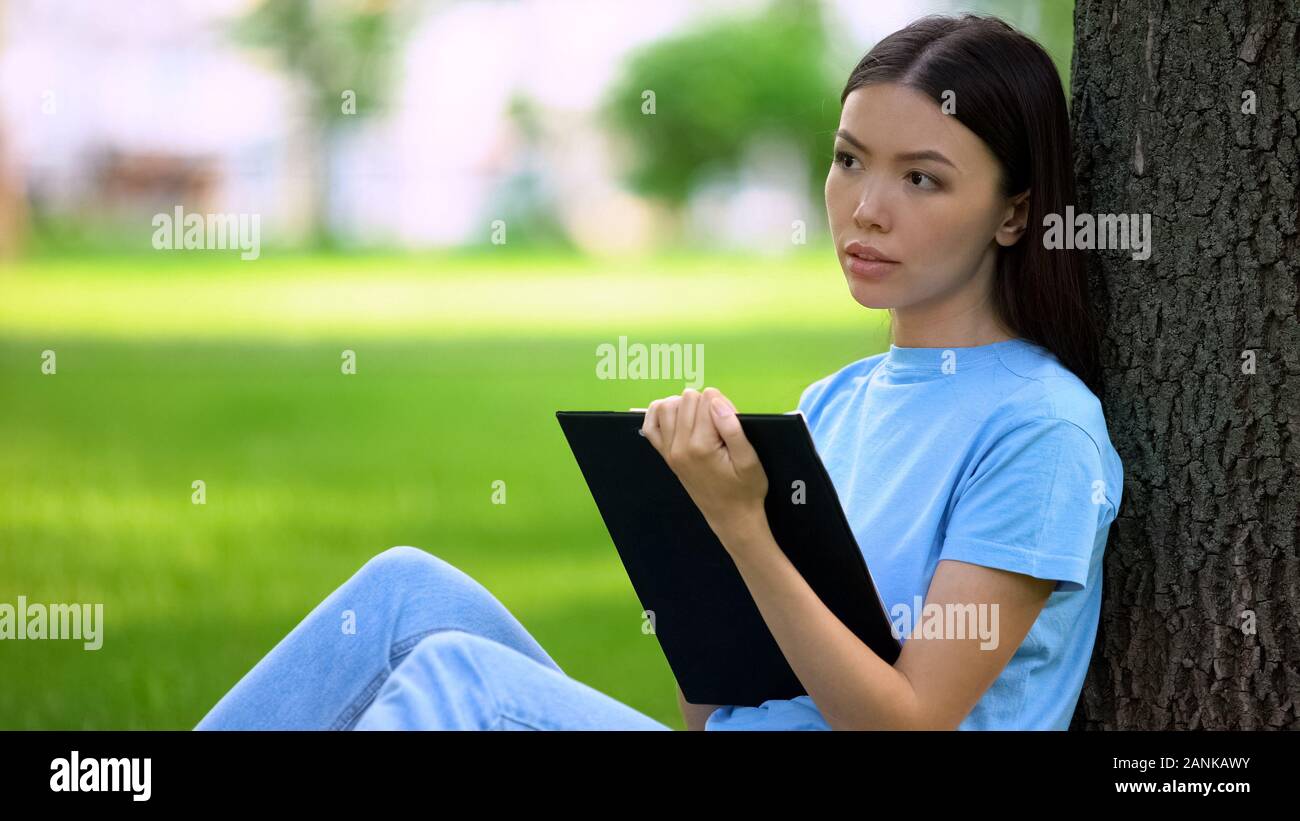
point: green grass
(229, 373)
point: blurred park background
(471, 197)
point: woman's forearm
(694, 714)
(851, 686)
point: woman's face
(918, 187)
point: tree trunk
(1199, 625)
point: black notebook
(711, 631)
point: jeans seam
(348, 716)
(489, 687)
(407, 644)
(352, 712)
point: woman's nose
(871, 212)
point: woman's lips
(873, 269)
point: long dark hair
(1008, 93)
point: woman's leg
(455, 680)
(327, 670)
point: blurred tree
(717, 87)
(525, 197)
(341, 52)
(13, 196)
(1050, 22)
(13, 203)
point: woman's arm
(694, 714)
(934, 683)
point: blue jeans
(411, 642)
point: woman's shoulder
(816, 393)
(1040, 391)
(1038, 386)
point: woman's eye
(841, 158)
(919, 179)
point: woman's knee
(402, 560)
(449, 680)
(390, 568)
(460, 645)
(403, 565)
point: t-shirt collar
(948, 359)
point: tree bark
(1199, 626)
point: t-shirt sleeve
(1034, 504)
(808, 400)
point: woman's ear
(1010, 231)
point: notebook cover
(709, 628)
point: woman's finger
(650, 425)
(743, 455)
(668, 422)
(724, 398)
(690, 399)
(705, 432)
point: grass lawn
(176, 368)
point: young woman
(972, 458)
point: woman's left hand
(712, 458)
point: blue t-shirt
(994, 455)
